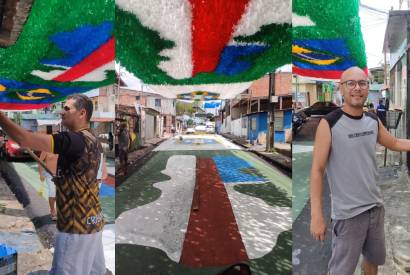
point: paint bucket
(8, 260)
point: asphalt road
(244, 211)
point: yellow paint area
(302, 53)
(30, 94)
(2, 88)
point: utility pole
(270, 142)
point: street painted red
(110, 180)
(213, 237)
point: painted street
(33, 195)
(200, 204)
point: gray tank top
(351, 168)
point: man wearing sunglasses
(345, 146)
(78, 248)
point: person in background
(50, 160)
(381, 112)
(123, 145)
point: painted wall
(257, 126)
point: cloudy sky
(374, 26)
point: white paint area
(109, 246)
(225, 91)
(263, 12)
(173, 20)
(259, 223)
(99, 74)
(163, 223)
(302, 21)
(197, 143)
(47, 75)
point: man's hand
(318, 227)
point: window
(157, 102)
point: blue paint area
(233, 169)
(280, 136)
(233, 58)
(79, 43)
(23, 242)
(199, 141)
(325, 50)
(211, 105)
(287, 119)
(257, 124)
(13, 86)
(107, 190)
(6, 250)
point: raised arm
(320, 156)
(24, 138)
(390, 142)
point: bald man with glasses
(345, 147)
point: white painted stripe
(173, 20)
(99, 74)
(259, 223)
(175, 144)
(263, 12)
(301, 21)
(163, 223)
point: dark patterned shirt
(77, 197)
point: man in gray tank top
(345, 146)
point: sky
(374, 27)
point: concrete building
(396, 41)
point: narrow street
(23, 180)
(200, 204)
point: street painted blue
(232, 169)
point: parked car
(200, 128)
(320, 108)
(190, 130)
(10, 150)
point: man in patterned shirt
(78, 247)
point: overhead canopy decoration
(65, 47)
(216, 46)
(326, 38)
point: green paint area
(148, 260)
(138, 190)
(29, 172)
(108, 208)
(277, 178)
(301, 164)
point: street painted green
(29, 172)
(301, 165)
(138, 190)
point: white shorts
(78, 254)
(50, 185)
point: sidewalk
(136, 156)
(17, 231)
(282, 156)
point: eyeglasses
(351, 84)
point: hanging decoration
(326, 38)
(65, 47)
(215, 46)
